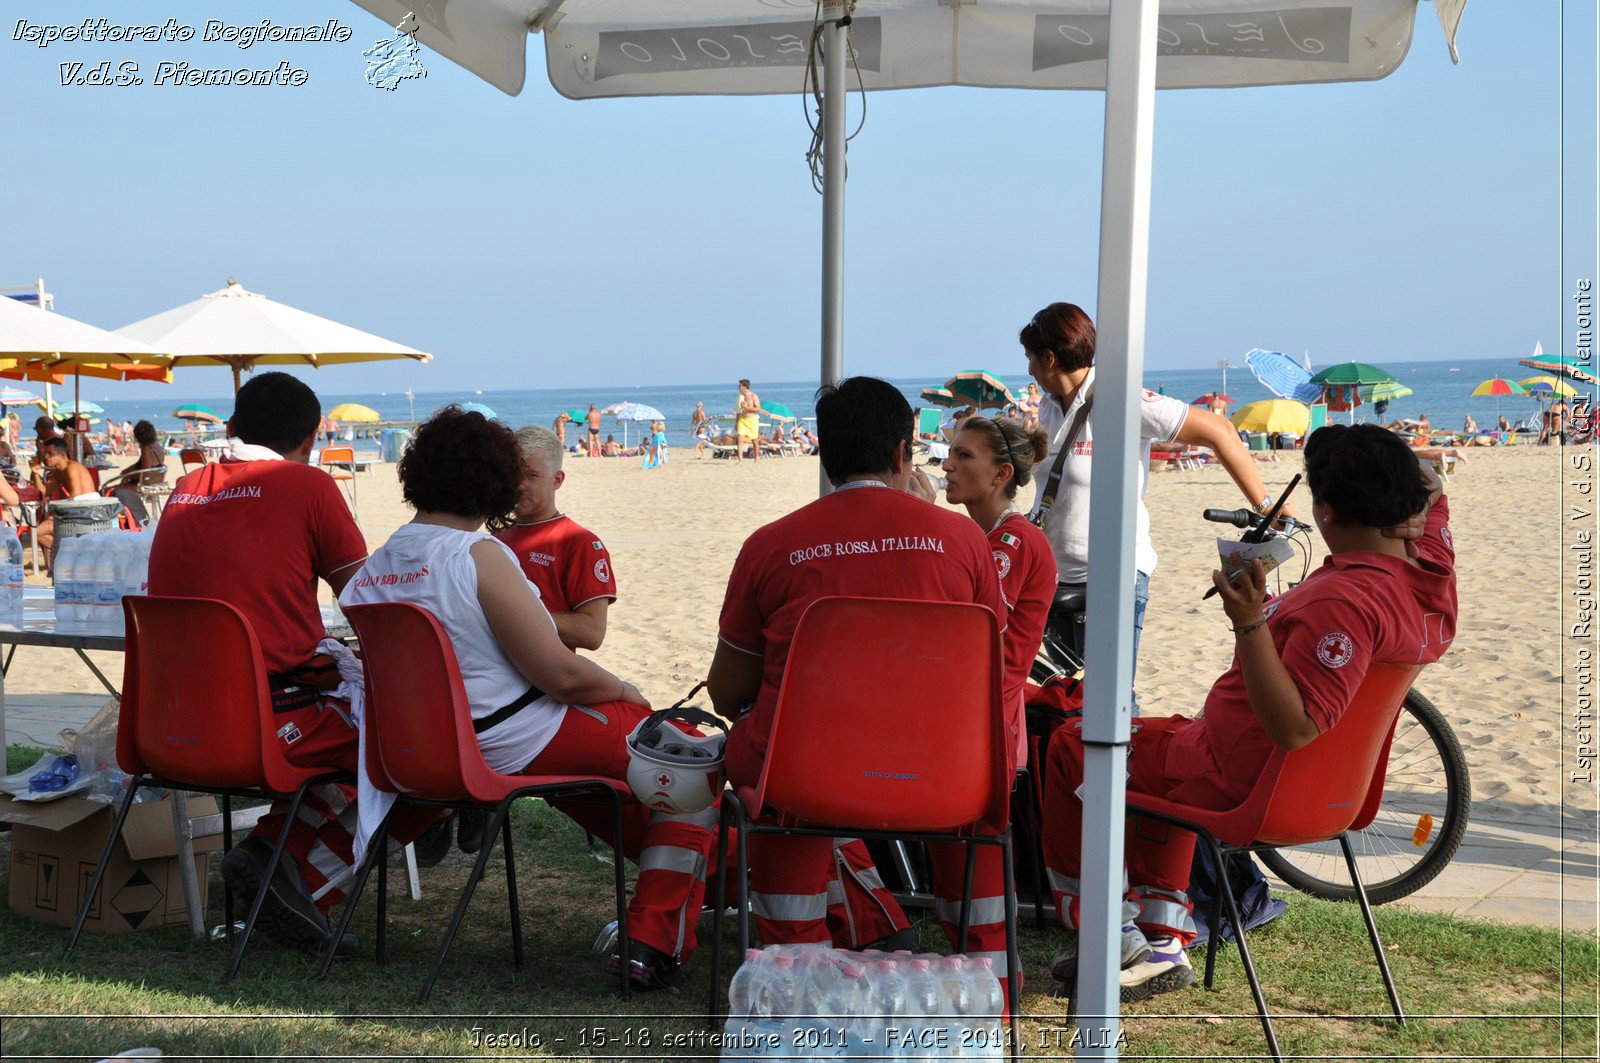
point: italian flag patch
(596, 545)
(1009, 539)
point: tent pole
(835, 41)
(1119, 373)
(235, 365)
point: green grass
(1474, 989)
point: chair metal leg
(1013, 955)
(968, 877)
(1214, 939)
(741, 845)
(1372, 931)
(624, 942)
(227, 847)
(1035, 842)
(100, 867)
(380, 952)
(460, 913)
(266, 881)
(511, 886)
(377, 852)
(719, 903)
(1244, 948)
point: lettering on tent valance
(1315, 34)
(771, 44)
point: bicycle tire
(1385, 846)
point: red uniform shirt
(862, 541)
(565, 560)
(258, 535)
(1358, 609)
(1026, 564)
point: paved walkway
(1527, 864)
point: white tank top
(432, 566)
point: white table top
(38, 627)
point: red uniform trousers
(672, 851)
(1158, 856)
(322, 839)
(806, 889)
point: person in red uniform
(567, 562)
(1386, 594)
(933, 554)
(257, 530)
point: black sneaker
(288, 915)
(899, 941)
(433, 843)
(469, 829)
(648, 967)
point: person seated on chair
(151, 457)
(57, 477)
(926, 553)
(538, 708)
(1386, 594)
(257, 529)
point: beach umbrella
(633, 411)
(1387, 391)
(354, 411)
(1212, 396)
(600, 48)
(940, 397)
(1559, 364)
(478, 407)
(1273, 415)
(1540, 387)
(1496, 387)
(193, 411)
(242, 329)
(1282, 375)
(76, 406)
(777, 410)
(579, 416)
(41, 345)
(10, 396)
(1341, 384)
(980, 388)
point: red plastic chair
(192, 456)
(421, 745)
(883, 733)
(339, 462)
(1319, 792)
(197, 715)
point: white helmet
(672, 771)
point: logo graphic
(395, 60)
(1003, 563)
(1444, 533)
(1335, 649)
(602, 571)
(665, 780)
(1009, 539)
(1272, 607)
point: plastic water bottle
(967, 1041)
(848, 1005)
(988, 1005)
(66, 586)
(106, 595)
(741, 999)
(889, 1018)
(766, 995)
(928, 1039)
(11, 592)
(818, 1027)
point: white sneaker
(1165, 970)
(1135, 950)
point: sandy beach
(674, 534)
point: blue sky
(540, 242)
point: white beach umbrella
(40, 344)
(242, 329)
(599, 48)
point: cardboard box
(55, 845)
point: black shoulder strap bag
(1047, 499)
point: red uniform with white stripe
(1358, 609)
(258, 535)
(566, 561)
(1027, 568)
(865, 539)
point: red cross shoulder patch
(1335, 649)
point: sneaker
(1164, 971)
(288, 914)
(469, 829)
(433, 843)
(899, 941)
(648, 967)
(1135, 949)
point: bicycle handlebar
(1249, 518)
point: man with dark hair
(257, 529)
(57, 477)
(1386, 594)
(747, 423)
(871, 538)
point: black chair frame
(295, 800)
(734, 815)
(499, 823)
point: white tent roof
(30, 334)
(236, 325)
(598, 48)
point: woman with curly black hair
(537, 707)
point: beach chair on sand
(192, 456)
(340, 462)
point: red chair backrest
(1336, 782)
(417, 714)
(890, 717)
(191, 456)
(195, 703)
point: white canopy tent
(607, 48)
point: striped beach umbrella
(1496, 387)
(193, 411)
(980, 388)
(940, 397)
(1544, 387)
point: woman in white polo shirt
(1060, 344)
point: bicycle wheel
(1427, 799)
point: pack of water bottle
(93, 574)
(816, 1002)
(11, 571)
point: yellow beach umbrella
(354, 411)
(1273, 415)
(1548, 385)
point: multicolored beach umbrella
(1559, 364)
(1341, 384)
(1496, 387)
(940, 397)
(193, 411)
(980, 388)
(1385, 392)
(10, 396)
(1540, 387)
